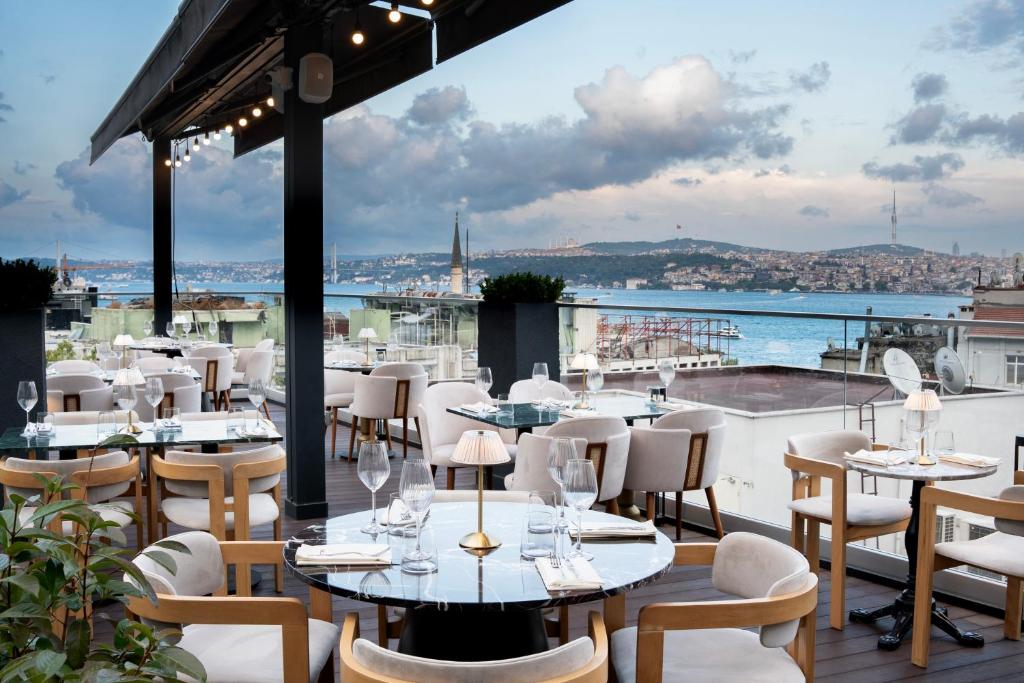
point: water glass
(373, 468)
(540, 378)
(106, 425)
(666, 373)
(212, 327)
(483, 379)
(44, 424)
(504, 405)
(416, 488)
(27, 398)
(236, 421)
(171, 418)
(580, 493)
(943, 444)
(543, 501)
(125, 396)
(595, 380)
(398, 508)
(419, 554)
(538, 538)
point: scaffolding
(629, 337)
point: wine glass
(560, 453)
(257, 395)
(580, 492)
(416, 487)
(595, 382)
(540, 378)
(27, 398)
(125, 396)
(373, 469)
(154, 394)
(666, 373)
(187, 326)
(483, 379)
(212, 329)
(147, 328)
(171, 330)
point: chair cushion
(997, 552)
(714, 655)
(252, 653)
(529, 669)
(194, 513)
(861, 509)
(338, 400)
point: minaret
(457, 282)
(892, 239)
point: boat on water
(729, 332)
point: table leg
(472, 636)
(902, 609)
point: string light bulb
(229, 129)
(395, 15)
(195, 144)
(270, 101)
(167, 162)
(177, 161)
(216, 134)
(206, 138)
(188, 155)
(243, 122)
(257, 112)
(357, 32)
(427, 3)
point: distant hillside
(599, 269)
(684, 244)
(877, 250)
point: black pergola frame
(211, 63)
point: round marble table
(474, 608)
(902, 609)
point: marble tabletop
(629, 407)
(940, 471)
(498, 581)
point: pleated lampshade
(925, 401)
(129, 377)
(480, 447)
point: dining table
(172, 348)
(475, 606)
(902, 608)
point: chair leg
(1013, 608)
(405, 437)
(612, 506)
(266, 410)
(451, 478)
(796, 532)
(433, 471)
(352, 437)
(227, 399)
(387, 433)
(334, 431)
(215, 400)
(813, 545)
(837, 609)
(650, 505)
(679, 516)
(419, 433)
(563, 624)
(382, 625)
(713, 506)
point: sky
(784, 125)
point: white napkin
(880, 458)
(578, 412)
(625, 529)
(970, 459)
(351, 554)
(551, 403)
(572, 575)
(479, 407)
(399, 513)
(669, 405)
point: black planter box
(22, 357)
(512, 337)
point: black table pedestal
(472, 636)
(902, 609)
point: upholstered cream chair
(442, 430)
(525, 391)
(108, 481)
(74, 391)
(1001, 552)
(73, 367)
(373, 399)
(260, 366)
(680, 451)
(180, 391)
(409, 390)
(853, 516)
(224, 493)
(215, 365)
(707, 641)
(584, 660)
(241, 638)
(607, 446)
(158, 364)
(243, 356)
(531, 468)
(339, 391)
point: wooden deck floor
(849, 655)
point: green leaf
(163, 559)
(55, 508)
(180, 660)
(76, 643)
(25, 610)
(26, 582)
(117, 440)
(49, 662)
(171, 544)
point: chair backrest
(439, 426)
(753, 566)
(205, 417)
(525, 390)
(65, 468)
(1011, 526)
(89, 417)
(375, 397)
(470, 496)
(226, 461)
(180, 391)
(71, 386)
(101, 398)
(73, 367)
(339, 381)
(412, 383)
(828, 446)
(260, 366)
(607, 446)
(151, 364)
(531, 468)
(264, 345)
(342, 355)
(213, 359)
(707, 443)
(198, 572)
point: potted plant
(26, 288)
(48, 586)
(518, 326)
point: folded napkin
(397, 515)
(669, 405)
(970, 459)
(624, 529)
(479, 407)
(552, 403)
(578, 412)
(574, 574)
(351, 554)
(880, 458)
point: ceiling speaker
(316, 78)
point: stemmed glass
(666, 373)
(27, 398)
(540, 378)
(147, 328)
(560, 453)
(580, 492)
(171, 330)
(373, 469)
(483, 379)
(154, 394)
(257, 395)
(416, 487)
(125, 397)
(212, 329)
(187, 326)
(595, 381)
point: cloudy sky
(783, 124)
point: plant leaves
(163, 559)
(76, 642)
(181, 660)
(49, 662)
(117, 440)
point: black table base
(475, 636)
(902, 610)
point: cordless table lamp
(481, 448)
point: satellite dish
(902, 371)
(950, 370)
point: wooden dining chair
(607, 447)
(707, 641)
(584, 660)
(239, 638)
(1001, 552)
(816, 457)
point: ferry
(729, 332)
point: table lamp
(366, 334)
(584, 362)
(130, 377)
(922, 410)
(481, 448)
(123, 341)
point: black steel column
(163, 241)
(304, 287)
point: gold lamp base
(479, 540)
(133, 429)
(922, 459)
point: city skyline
(783, 127)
